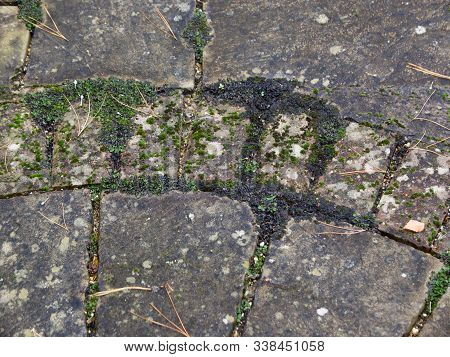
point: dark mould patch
(264, 100)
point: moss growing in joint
(198, 33)
(438, 284)
(30, 10)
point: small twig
(76, 114)
(44, 27)
(158, 27)
(166, 318)
(424, 104)
(165, 22)
(343, 233)
(87, 121)
(126, 288)
(126, 105)
(53, 222)
(348, 173)
(150, 320)
(145, 100)
(418, 141)
(426, 71)
(432, 121)
(431, 151)
(437, 142)
(331, 225)
(168, 291)
(54, 23)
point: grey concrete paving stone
(22, 151)
(328, 43)
(77, 155)
(362, 156)
(438, 325)
(354, 52)
(114, 38)
(338, 285)
(42, 266)
(14, 39)
(178, 136)
(285, 149)
(154, 147)
(198, 243)
(419, 191)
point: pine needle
(113, 291)
(426, 71)
(165, 22)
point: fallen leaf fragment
(414, 226)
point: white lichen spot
(57, 320)
(7, 295)
(238, 234)
(279, 316)
(34, 248)
(335, 50)
(420, 30)
(387, 203)
(225, 270)
(322, 311)
(403, 275)
(214, 148)
(213, 237)
(316, 272)
(191, 216)
(6, 248)
(314, 81)
(321, 19)
(256, 70)
(147, 264)
(64, 245)
(130, 280)
(80, 223)
(326, 82)
(402, 178)
(23, 294)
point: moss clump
(243, 307)
(438, 284)
(111, 100)
(48, 107)
(30, 9)
(198, 33)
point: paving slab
(14, 39)
(23, 150)
(438, 325)
(353, 53)
(77, 155)
(419, 191)
(198, 243)
(328, 43)
(155, 144)
(182, 137)
(286, 145)
(43, 266)
(114, 38)
(354, 175)
(317, 284)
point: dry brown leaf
(414, 226)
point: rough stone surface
(355, 174)
(285, 149)
(438, 325)
(338, 285)
(419, 191)
(77, 155)
(351, 52)
(198, 243)
(42, 266)
(265, 39)
(114, 38)
(14, 39)
(179, 137)
(22, 151)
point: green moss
(47, 108)
(242, 309)
(268, 204)
(30, 9)
(438, 284)
(198, 33)
(259, 257)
